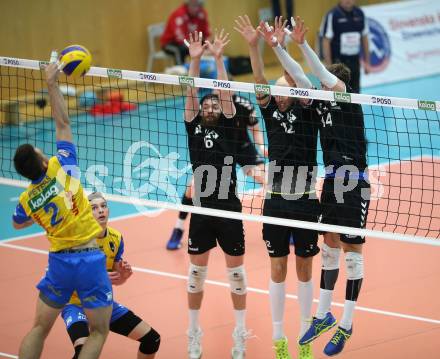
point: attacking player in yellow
(123, 321)
(55, 200)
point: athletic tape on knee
(330, 257)
(354, 263)
(196, 278)
(237, 280)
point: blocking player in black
(211, 141)
(292, 142)
(345, 196)
(247, 157)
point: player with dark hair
(292, 138)
(247, 158)
(123, 321)
(211, 142)
(346, 192)
(56, 201)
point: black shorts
(248, 155)
(206, 231)
(348, 209)
(277, 237)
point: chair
(154, 31)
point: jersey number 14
(327, 121)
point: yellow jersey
(57, 202)
(112, 245)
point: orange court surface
(397, 316)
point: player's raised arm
(274, 37)
(327, 79)
(216, 48)
(196, 50)
(59, 108)
(251, 36)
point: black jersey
(210, 146)
(243, 119)
(292, 137)
(342, 134)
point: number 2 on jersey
(53, 220)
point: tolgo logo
(186, 80)
(379, 47)
(262, 89)
(426, 105)
(114, 73)
(342, 97)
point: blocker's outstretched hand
(218, 45)
(195, 45)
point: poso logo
(379, 45)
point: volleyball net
(132, 144)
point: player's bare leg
(32, 344)
(238, 284)
(99, 319)
(196, 280)
(176, 236)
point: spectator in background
(344, 31)
(276, 8)
(186, 19)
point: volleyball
(77, 60)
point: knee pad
(354, 263)
(78, 349)
(237, 280)
(78, 330)
(196, 278)
(330, 257)
(150, 342)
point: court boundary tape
(249, 289)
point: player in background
(123, 321)
(55, 200)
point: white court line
(250, 289)
(5, 355)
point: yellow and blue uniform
(112, 244)
(56, 201)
